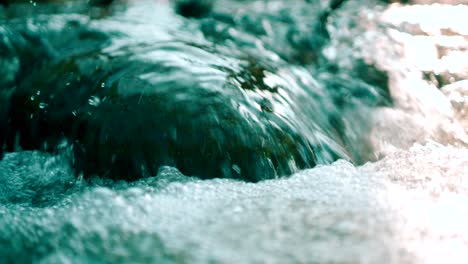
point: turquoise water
(214, 97)
(337, 213)
(134, 134)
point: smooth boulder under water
(222, 96)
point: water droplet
(43, 105)
(103, 85)
(94, 101)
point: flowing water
(248, 132)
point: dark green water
(241, 93)
(104, 115)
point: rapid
(249, 132)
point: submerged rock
(122, 125)
(129, 101)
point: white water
(407, 208)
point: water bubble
(94, 101)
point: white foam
(409, 207)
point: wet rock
(129, 104)
(125, 130)
(127, 136)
